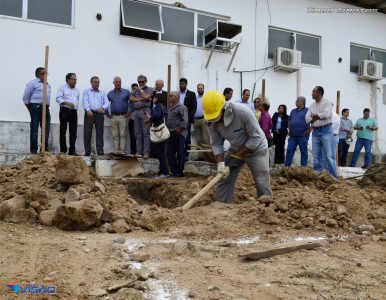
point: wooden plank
(272, 250)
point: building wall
(96, 48)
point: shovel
(201, 193)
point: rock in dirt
(331, 222)
(71, 170)
(308, 221)
(80, 215)
(140, 257)
(282, 204)
(72, 195)
(268, 216)
(99, 187)
(38, 195)
(55, 203)
(365, 228)
(379, 224)
(97, 292)
(341, 210)
(46, 217)
(265, 199)
(13, 210)
(128, 294)
(119, 226)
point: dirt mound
(375, 175)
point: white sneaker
(162, 176)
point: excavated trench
(168, 193)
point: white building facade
(87, 37)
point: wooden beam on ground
(272, 250)
(44, 113)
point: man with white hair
(120, 111)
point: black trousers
(70, 117)
(176, 154)
(279, 142)
(35, 111)
(99, 120)
(133, 148)
(159, 151)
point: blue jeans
(342, 152)
(358, 147)
(35, 111)
(322, 140)
(176, 154)
(293, 142)
(334, 144)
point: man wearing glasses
(68, 99)
(33, 100)
(141, 99)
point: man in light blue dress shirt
(68, 99)
(95, 103)
(33, 99)
(245, 100)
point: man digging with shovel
(237, 124)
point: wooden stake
(169, 84)
(43, 143)
(263, 90)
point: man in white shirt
(68, 99)
(319, 115)
(199, 125)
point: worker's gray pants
(258, 163)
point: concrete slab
(347, 172)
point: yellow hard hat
(212, 103)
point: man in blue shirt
(299, 133)
(33, 99)
(245, 99)
(120, 110)
(95, 103)
(68, 99)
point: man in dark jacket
(188, 98)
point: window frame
(25, 14)
(319, 37)
(194, 11)
(371, 49)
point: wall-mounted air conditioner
(284, 59)
(370, 70)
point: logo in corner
(14, 286)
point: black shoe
(73, 154)
(365, 167)
(87, 154)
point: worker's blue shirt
(298, 121)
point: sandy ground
(186, 265)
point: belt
(320, 127)
(139, 108)
(335, 134)
(119, 114)
(199, 118)
(95, 112)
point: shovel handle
(201, 193)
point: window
(358, 53)
(13, 8)
(53, 11)
(178, 26)
(309, 45)
(165, 22)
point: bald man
(120, 111)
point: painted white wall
(96, 48)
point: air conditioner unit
(284, 59)
(369, 70)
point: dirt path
(186, 265)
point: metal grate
(371, 69)
(286, 58)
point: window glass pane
(278, 38)
(204, 22)
(356, 55)
(178, 26)
(13, 8)
(309, 46)
(200, 38)
(380, 56)
(55, 11)
(141, 16)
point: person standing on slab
(141, 100)
(33, 100)
(177, 123)
(200, 127)
(120, 111)
(236, 123)
(279, 132)
(365, 136)
(68, 99)
(95, 104)
(345, 133)
(319, 115)
(188, 98)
